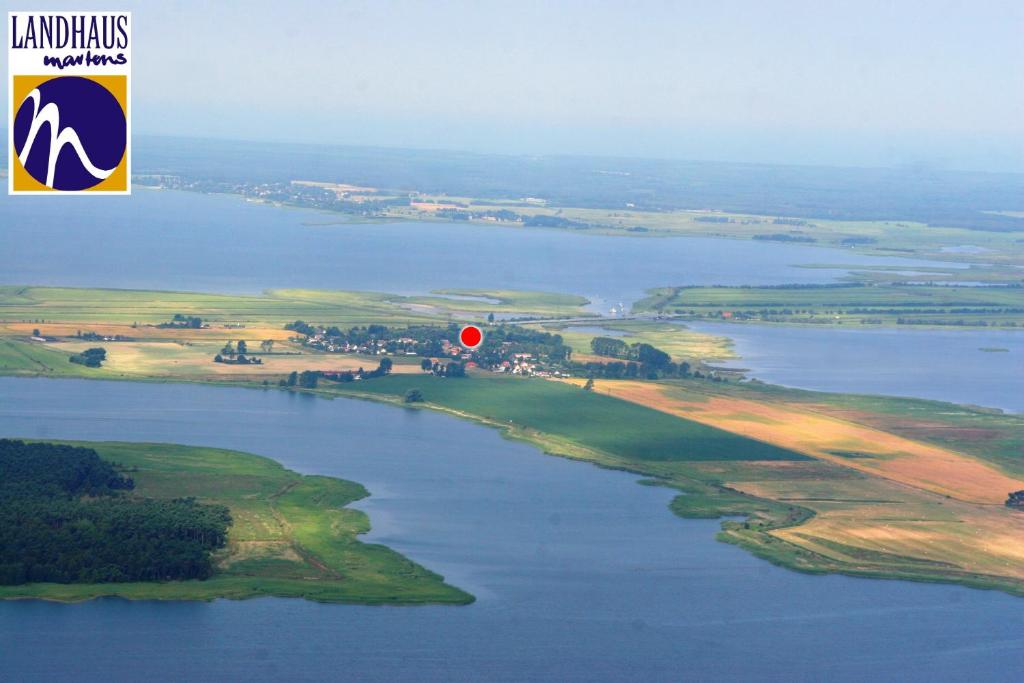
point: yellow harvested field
(174, 359)
(830, 438)
(858, 517)
(890, 503)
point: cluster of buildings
(505, 357)
(527, 364)
(401, 346)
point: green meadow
(574, 417)
(65, 304)
(857, 303)
(20, 358)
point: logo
(70, 133)
(70, 129)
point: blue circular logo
(70, 133)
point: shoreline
(716, 500)
(937, 255)
(290, 535)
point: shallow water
(580, 573)
(193, 242)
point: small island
(158, 521)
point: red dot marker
(471, 336)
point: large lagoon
(194, 242)
(580, 573)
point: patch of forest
(67, 516)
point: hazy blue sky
(930, 83)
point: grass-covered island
(159, 521)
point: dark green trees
(64, 518)
(92, 358)
(608, 346)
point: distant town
(506, 348)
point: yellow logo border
(116, 85)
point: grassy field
(275, 307)
(585, 419)
(177, 361)
(20, 358)
(153, 352)
(291, 536)
(864, 304)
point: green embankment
(860, 304)
(571, 415)
(292, 535)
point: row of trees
(236, 355)
(632, 370)
(449, 369)
(266, 346)
(49, 532)
(310, 379)
(240, 359)
(307, 379)
(187, 321)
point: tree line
(638, 361)
(66, 516)
(310, 379)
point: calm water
(947, 365)
(581, 574)
(193, 242)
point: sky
(933, 84)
